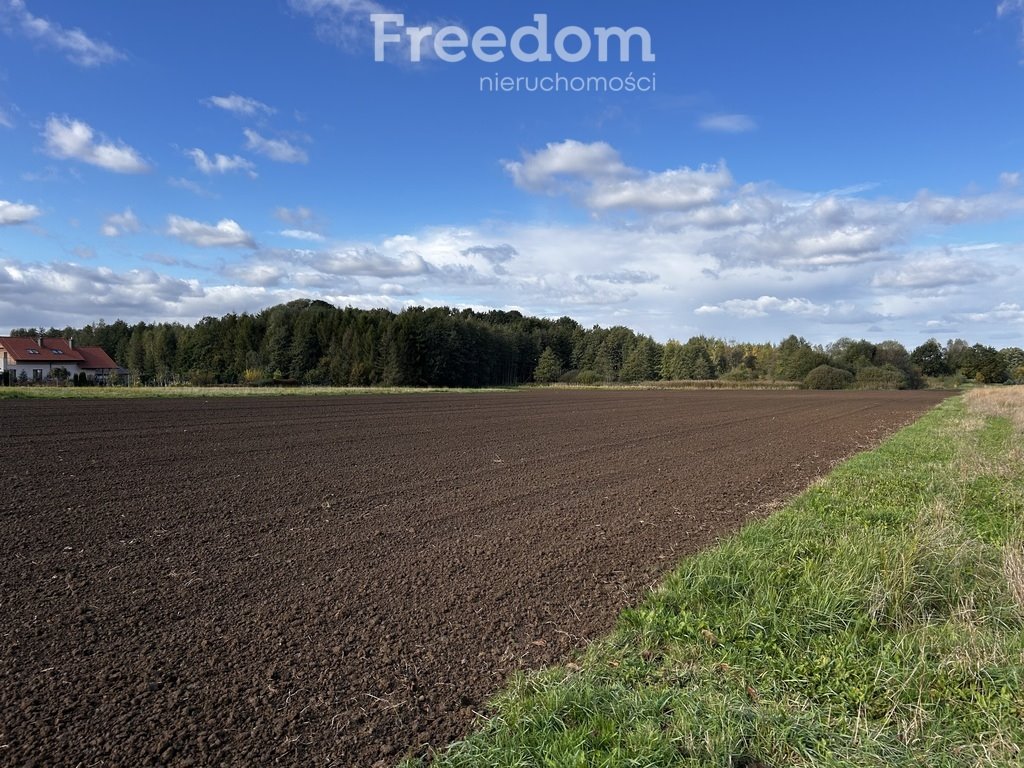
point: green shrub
(886, 377)
(827, 377)
(739, 373)
(588, 378)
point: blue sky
(819, 168)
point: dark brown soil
(306, 581)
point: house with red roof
(37, 358)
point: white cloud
(728, 123)
(123, 223)
(596, 175)
(189, 185)
(546, 170)
(765, 305)
(744, 225)
(394, 289)
(92, 291)
(297, 217)
(72, 139)
(5, 119)
(367, 262)
(276, 149)
(221, 164)
(1002, 313)
(225, 233)
(1011, 8)
(950, 269)
(303, 234)
(345, 22)
(750, 261)
(17, 213)
(625, 277)
(63, 293)
(239, 105)
(649, 278)
(75, 44)
(679, 190)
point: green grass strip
(875, 621)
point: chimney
(71, 343)
(39, 341)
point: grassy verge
(877, 620)
(120, 393)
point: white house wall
(47, 367)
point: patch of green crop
(877, 620)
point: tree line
(315, 343)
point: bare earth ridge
(343, 581)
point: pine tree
(549, 368)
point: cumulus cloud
(394, 289)
(69, 139)
(950, 269)
(678, 190)
(368, 262)
(17, 213)
(98, 289)
(220, 164)
(743, 225)
(76, 45)
(226, 233)
(596, 175)
(766, 305)
(728, 123)
(63, 292)
(242, 106)
(547, 170)
(123, 223)
(1001, 313)
(278, 150)
(494, 254)
(748, 260)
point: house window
(57, 351)
(33, 351)
(37, 374)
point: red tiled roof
(52, 350)
(95, 357)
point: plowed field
(315, 581)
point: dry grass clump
(998, 402)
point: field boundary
(128, 393)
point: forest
(315, 343)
